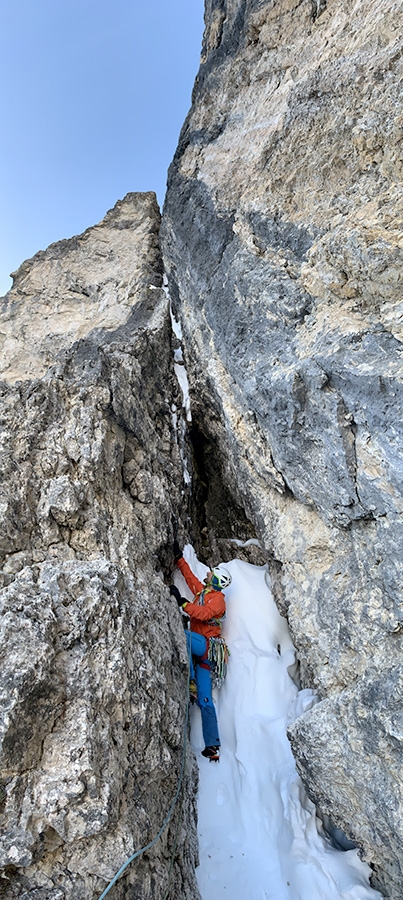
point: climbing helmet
(221, 578)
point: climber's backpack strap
(200, 598)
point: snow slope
(258, 833)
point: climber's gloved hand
(173, 590)
(177, 551)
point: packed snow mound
(259, 835)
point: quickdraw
(218, 656)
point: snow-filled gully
(259, 836)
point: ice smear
(178, 421)
(179, 366)
(182, 377)
(259, 836)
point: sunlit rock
(282, 234)
(93, 660)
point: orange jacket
(212, 607)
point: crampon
(211, 753)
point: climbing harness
(167, 818)
(218, 656)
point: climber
(206, 612)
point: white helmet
(221, 578)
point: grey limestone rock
(282, 244)
(282, 241)
(93, 657)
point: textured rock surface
(282, 236)
(94, 667)
(89, 281)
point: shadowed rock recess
(282, 240)
(93, 662)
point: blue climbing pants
(200, 670)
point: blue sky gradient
(93, 95)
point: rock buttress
(282, 234)
(93, 660)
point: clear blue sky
(93, 94)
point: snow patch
(179, 366)
(178, 423)
(181, 374)
(252, 542)
(260, 838)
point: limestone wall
(283, 243)
(93, 658)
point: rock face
(282, 234)
(88, 282)
(282, 239)
(93, 658)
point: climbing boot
(211, 753)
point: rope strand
(168, 816)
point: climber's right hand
(174, 591)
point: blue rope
(167, 819)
